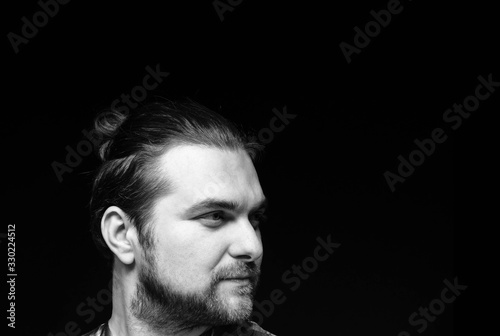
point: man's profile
(176, 207)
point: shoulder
(248, 328)
(258, 331)
(99, 331)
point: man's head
(176, 204)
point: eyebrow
(213, 203)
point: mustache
(240, 270)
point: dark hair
(130, 146)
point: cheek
(188, 254)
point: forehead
(198, 172)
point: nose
(246, 242)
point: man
(176, 207)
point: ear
(119, 234)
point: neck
(124, 323)
(132, 327)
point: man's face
(207, 251)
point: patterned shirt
(248, 328)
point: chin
(238, 307)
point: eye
(213, 219)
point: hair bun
(106, 126)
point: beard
(166, 309)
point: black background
(323, 173)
